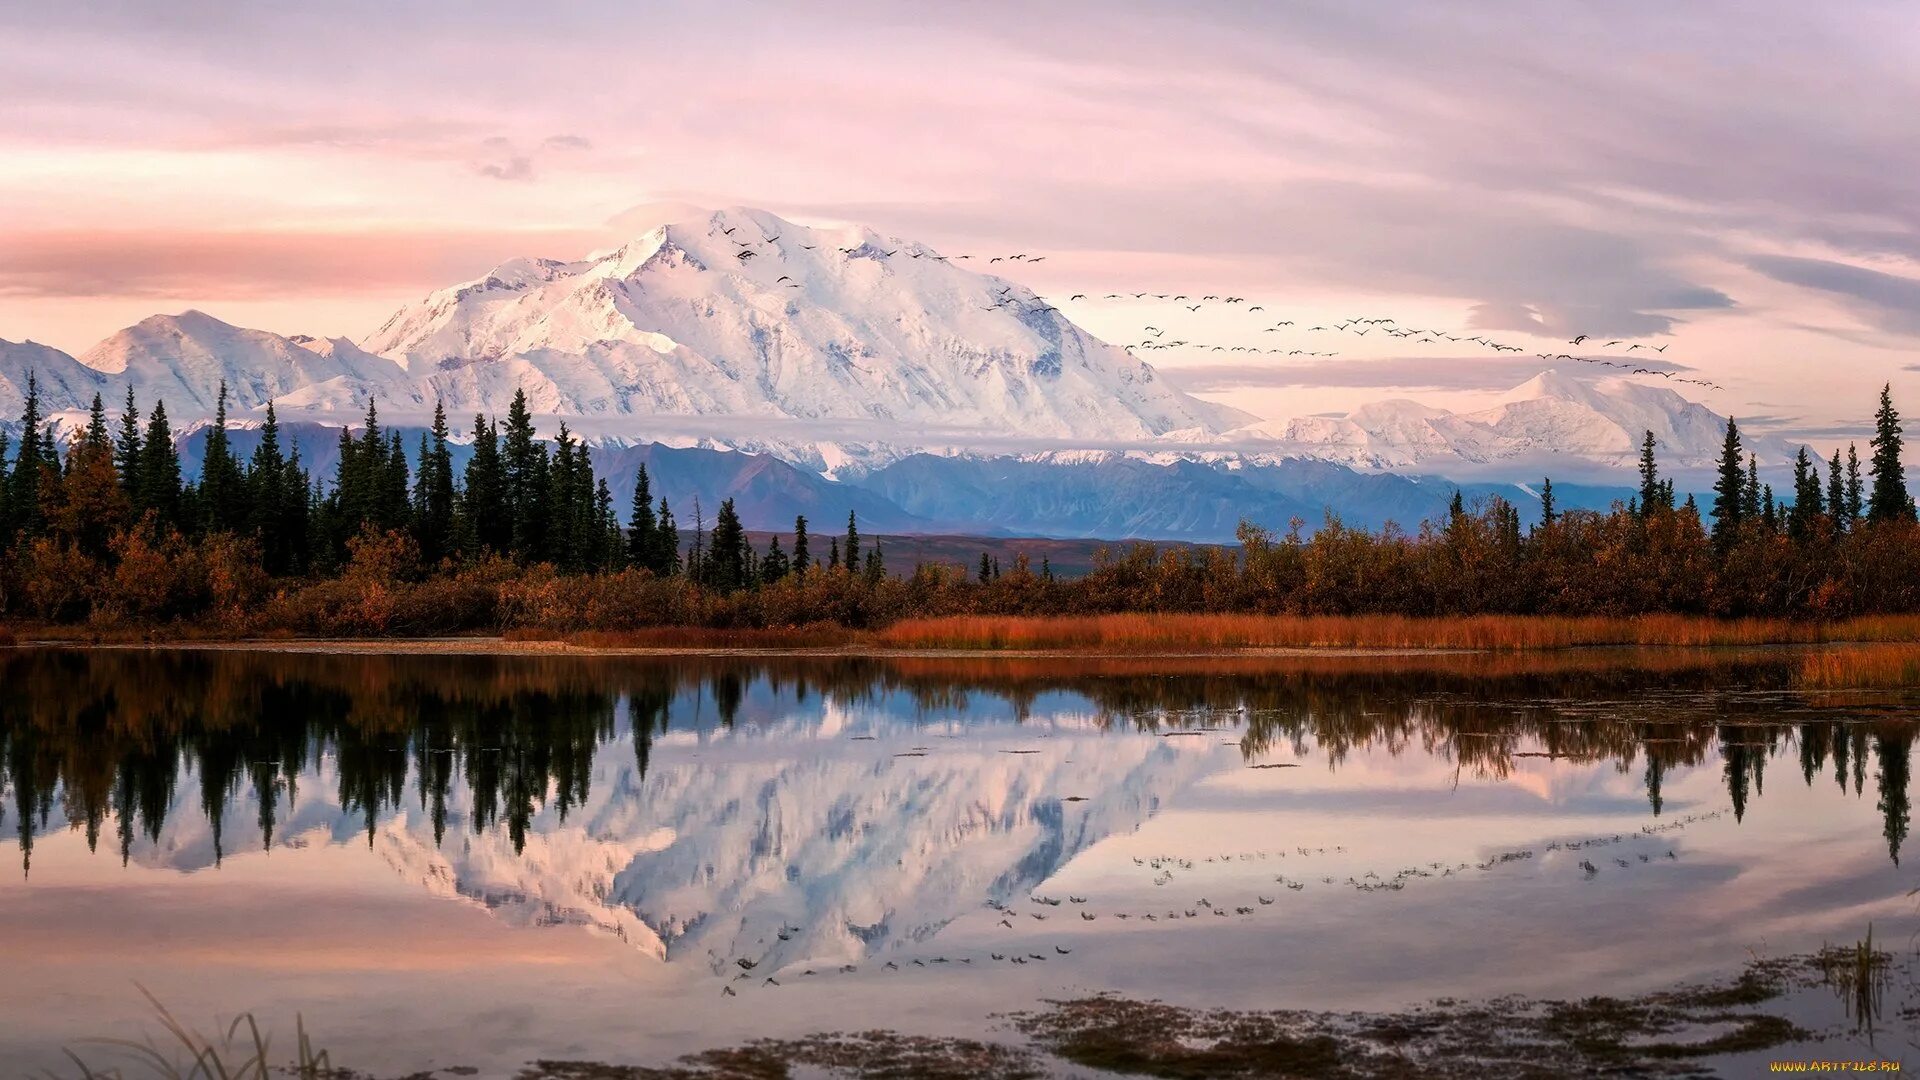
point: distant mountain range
(861, 372)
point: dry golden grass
(1861, 667)
(1134, 633)
(816, 636)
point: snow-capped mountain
(822, 344)
(63, 382)
(182, 360)
(781, 840)
(744, 315)
(1550, 416)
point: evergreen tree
(1046, 569)
(774, 566)
(986, 568)
(96, 433)
(1750, 494)
(1806, 495)
(159, 469)
(6, 504)
(276, 501)
(1547, 510)
(801, 557)
(126, 449)
(1768, 511)
(833, 553)
(876, 567)
(666, 539)
(1856, 503)
(1652, 492)
(641, 524)
(609, 550)
(222, 503)
(1889, 500)
(852, 549)
(486, 519)
(726, 566)
(24, 492)
(1729, 490)
(525, 463)
(1836, 492)
(433, 498)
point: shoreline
(502, 646)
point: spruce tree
(726, 566)
(1751, 507)
(433, 502)
(270, 495)
(833, 553)
(986, 568)
(851, 553)
(801, 556)
(641, 543)
(487, 522)
(525, 462)
(1836, 492)
(1547, 510)
(222, 487)
(609, 549)
(1889, 500)
(1856, 502)
(126, 449)
(1650, 487)
(1729, 489)
(876, 567)
(6, 502)
(1806, 495)
(666, 539)
(774, 566)
(159, 469)
(24, 489)
(96, 434)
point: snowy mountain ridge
(839, 350)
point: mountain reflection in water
(774, 815)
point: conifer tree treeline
(106, 524)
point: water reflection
(101, 737)
(1341, 831)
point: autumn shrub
(59, 580)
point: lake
(476, 861)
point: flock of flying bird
(1164, 868)
(1359, 326)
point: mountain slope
(745, 315)
(1552, 415)
(65, 384)
(182, 360)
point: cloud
(517, 167)
(1889, 301)
(254, 264)
(1403, 373)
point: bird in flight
(1193, 307)
(1578, 340)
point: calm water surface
(477, 861)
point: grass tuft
(186, 1054)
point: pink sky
(1732, 179)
